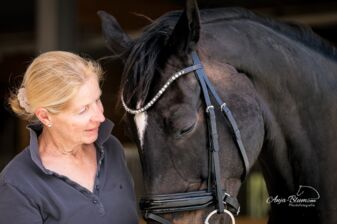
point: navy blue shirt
(30, 193)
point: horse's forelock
(142, 62)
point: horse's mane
(143, 56)
(297, 32)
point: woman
(73, 170)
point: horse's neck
(297, 84)
(297, 88)
(301, 126)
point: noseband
(215, 195)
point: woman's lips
(92, 129)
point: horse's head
(172, 133)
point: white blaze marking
(141, 123)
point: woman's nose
(98, 113)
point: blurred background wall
(30, 27)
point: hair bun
(22, 97)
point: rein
(154, 205)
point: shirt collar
(35, 130)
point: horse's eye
(185, 130)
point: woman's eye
(84, 109)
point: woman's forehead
(89, 92)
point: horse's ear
(115, 38)
(185, 34)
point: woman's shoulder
(18, 169)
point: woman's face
(79, 122)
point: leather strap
(228, 114)
(186, 201)
(156, 218)
(213, 136)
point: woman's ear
(44, 116)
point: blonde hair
(50, 81)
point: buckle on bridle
(209, 107)
(227, 199)
(223, 106)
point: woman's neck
(54, 146)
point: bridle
(154, 205)
(214, 195)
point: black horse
(279, 82)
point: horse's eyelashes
(183, 132)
